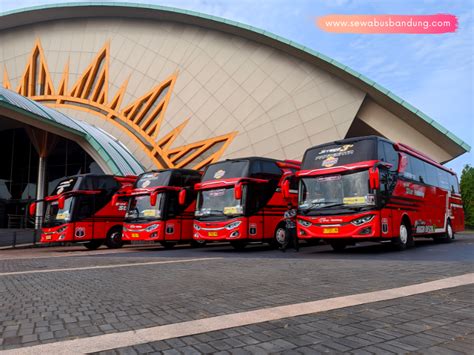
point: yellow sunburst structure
(141, 120)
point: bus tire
(239, 244)
(198, 243)
(114, 238)
(447, 236)
(405, 238)
(93, 244)
(280, 238)
(168, 245)
(338, 245)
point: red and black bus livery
(161, 207)
(371, 189)
(241, 201)
(82, 210)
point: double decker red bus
(371, 189)
(240, 201)
(161, 207)
(82, 209)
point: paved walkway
(50, 296)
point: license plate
(330, 230)
(212, 234)
(135, 235)
(48, 237)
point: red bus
(82, 209)
(240, 201)
(161, 207)
(371, 189)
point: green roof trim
(30, 108)
(261, 32)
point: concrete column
(40, 186)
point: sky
(434, 73)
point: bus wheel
(338, 245)
(280, 238)
(114, 238)
(93, 244)
(238, 244)
(198, 243)
(446, 237)
(168, 245)
(404, 240)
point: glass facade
(19, 171)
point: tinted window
(65, 186)
(331, 155)
(453, 182)
(390, 155)
(263, 169)
(226, 169)
(431, 175)
(443, 179)
(409, 172)
(418, 169)
(152, 179)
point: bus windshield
(348, 190)
(54, 215)
(219, 202)
(140, 208)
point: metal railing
(16, 237)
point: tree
(467, 192)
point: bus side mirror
(61, 201)
(238, 191)
(285, 189)
(182, 197)
(153, 196)
(374, 178)
(32, 209)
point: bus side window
(388, 154)
(85, 207)
(453, 182)
(443, 179)
(418, 168)
(431, 175)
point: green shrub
(467, 192)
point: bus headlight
(62, 229)
(304, 223)
(151, 228)
(197, 227)
(362, 220)
(233, 225)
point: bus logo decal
(329, 162)
(80, 232)
(219, 174)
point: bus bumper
(229, 230)
(356, 227)
(152, 231)
(62, 233)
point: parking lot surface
(51, 296)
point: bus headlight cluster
(233, 225)
(62, 229)
(304, 223)
(151, 228)
(362, 220)
(197, 227)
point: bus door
(174, 219)
(255, 207)
(84, 227)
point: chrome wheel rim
(403, 234)
(280, 236)
(450, 231)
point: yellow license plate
(135, 235)
(212, 234)
(330, 230)
(48, 237)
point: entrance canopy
(109, 153)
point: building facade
(182, 89)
